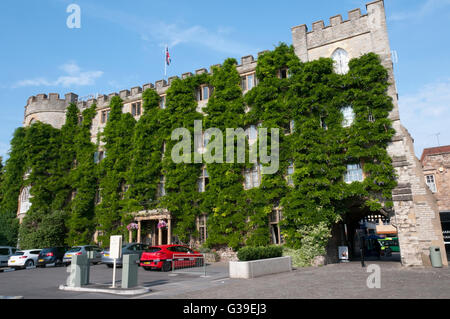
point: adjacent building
(436, 170)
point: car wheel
(167, 266)
(29, 263)
(109, 265)
(147, 268)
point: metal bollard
(79, 270)
(129, 271)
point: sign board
(343, 253)
(115, 247)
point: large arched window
(25, 200)
(340, 58)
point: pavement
(43, 283)
(343, 281)
(337, 281)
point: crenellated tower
(48, 109)
(416, 215)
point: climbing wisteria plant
(138, 173)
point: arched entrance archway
(374, 231)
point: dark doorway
(370, 233)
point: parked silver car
(93, 252)
(5, 253)
(131, 248)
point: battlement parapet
(186, 75)
(48, 103)
(339, 30)
(171, 79)
(148, 86)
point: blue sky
(120, 45)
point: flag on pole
(168, 60)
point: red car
(164, 256)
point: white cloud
(172, 34)
(73, 77)
(426, 113)
(175, 34)
(425, 9)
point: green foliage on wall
(44, 223)
(83, 178)
(225, 201)
(12, 181)
(182, 198)
(118, 139)
(312, 98)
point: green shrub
(254, 253)
(312, 244)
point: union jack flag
(168, 60)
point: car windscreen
(18, 253)
(74, 249)
(152, 249)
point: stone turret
(48, 109)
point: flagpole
(165, 63)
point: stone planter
(261, 267)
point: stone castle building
(415, 214)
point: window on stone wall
(253, 177)
(354, 173)
(252, 133)
(136, 109)
(274, 223)
(162, 187)
(371, 118)
(283, 73)
(24, 199)
(248, 82)
(201, 227)
(162, 102)
(349, 116)
(203, 93)
(290, 172)
(98, 197)
(323, 123)
(104, 116)
(203, 180)
(341, 59)
(99, 156)
(431, 183)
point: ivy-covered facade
(79, 171)
(329, 124)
